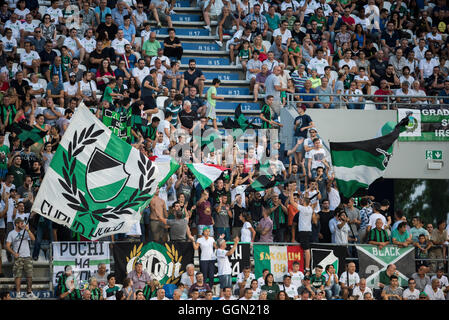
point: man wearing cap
(17, 244)
(139, 276)
(306, 287)
(302, 123)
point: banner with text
(164, 262)
(83, 257)
(276, 258)
(372, 261)
(427, 124)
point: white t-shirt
(246, 232)
(427, 66)
(9, 44)
(24, 216)
(10, 211)
(439, 295)
(145, 35)
(353, 278)
(359, 78)
(163, 58)
(443, 280)
(240, 279)
(297, 278)
(309, 143)
(70, 89)
(54, 14)
(15, 28)
(155, 298)
(305, 218)
(411, 295)
(285, 36)
(373, 217)
(29, 57)
(28, 27)
(318, 64)
(317, 156)
(341, 235)
(71, 44)
(207, 248)
(224, 266)
(164, 124)
(87, 88)
(291, 291)
(21, 14)
(15, 238)
(141, 74)
(351, 63)
(358, 292)
(119, 45)
(89, 44)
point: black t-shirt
(187, 118)
(325, 217)
(48, 57)
(19, 87)
(236, 211)
(379, 67)
(196, 103)
(111, 30)
(298, 36)
(94, 54)
(315, 36)
(304, 121)
(255, 208)
(390, 40)
(191, 77)
(390, 79)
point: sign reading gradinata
(428, 124)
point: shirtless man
(158, 210)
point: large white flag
(96, 184)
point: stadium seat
(42, 10)
(20, 51)
(160, 102)
(138, 56)
(39, 110)
(373, 89)
(369, 105)
(57, 52)
(169, 289)
(82, 67)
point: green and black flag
(119, 123)
(239, 124)
(358, 164)
(265, 182)
(28, 134)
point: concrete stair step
(246, 106)
(185, 32)
(210, 61)
(35, 280)
(222, 76)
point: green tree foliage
(431, 205)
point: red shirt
(381, 92)
(349, 20)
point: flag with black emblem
(97, 184)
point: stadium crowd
(86, 52)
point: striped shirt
(364, 217)
(378, 235)
(148, 294)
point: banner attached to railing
(239, 259)
(83, 257)
(428, 124)
(372, 261)
(164, 262)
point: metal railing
(383, 101)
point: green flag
(96, 184)
(118, 122)
(28, 134)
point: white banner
(83, 257)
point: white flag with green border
(97, 184)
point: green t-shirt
(315, 82)
(399, 237)
(266, 111)
(273, 23)
(4, 151)
(150, 48)
(107, 94)
(212, 90)
(296, 50)
(384, 278)
(317, 282)
(244, 54)
(321, 22)
(19, 175)
(272, 291)
(65, 60)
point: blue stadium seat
(186, 17)
(246, 106)
(231, 91)
(169, 289)
(201, 46)
(184, 32)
